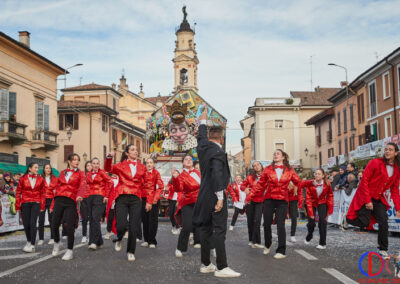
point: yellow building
(28, 104)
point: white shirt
(32, 181)
(194, 175)
(175, 197)
(279, 172)
(242, 197)
(115, 180)
(48, 180)
(93, 176)
(320, 188)
(133, 169)
(68, 175)
(389, 170)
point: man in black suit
(211, 211)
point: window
(124, 140)
(278, 123)
(351, 117)
(114, 136)
(104, 122)
(331, 152)
(138, 146)
(42, 116)
(280, 146)
(340, 147)
(114, 104)
(338, 122)
(388, 126)
(320, 159)
(352, 143)
(318, 138)
(374, 131)
(68, 120)
(372, 100)
(361, 139)
(345, 120)
(346, 146)
(386, 85)
(8, 105)
(360, 108)
(68, 150)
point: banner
(11, 222)
(334, 218)
(393, 221)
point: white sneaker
(84, 240)
(118, 246)
(56, 249)
(68, 255)
(145, 244)
(191, 242)
(267, 250)
(107, 236)
(152, 246)
(321, 247)
(137, 240)
(64, 237)
(250, 244)
(93, 246)
(29, 249)
(51, 242)
(197, 246)
(293, 239)
(207, 269)
(384, 254)
(126, 235)
(40, 242)
(257, 246)
(26, 247)
(279, 256)
(307, 242)
(131, 256)
(231, 228)
(214, 253)
(226, 273)
(178, 253)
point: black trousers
(150, 223)
(322, 224)
(254, 215)
(96, 209)
(380, 214)
(42, 219)
(30, 212)
(110, 219)
(171, 212)
(213, 236)
(84, 210)
(128, 205)
(235, 216)
(64, 211)
(293, 213)
(187, 228)
(280, 209)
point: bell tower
(185, 59)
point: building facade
(28, 103)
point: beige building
(280, 124)
(246, 141)
(28, 103)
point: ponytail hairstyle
(124, 155)
(396, 158)
(51, 170)
(286, 163)
(254, 174)
(30, 165)
(325, 179)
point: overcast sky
(246, 48)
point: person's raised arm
(108, 166)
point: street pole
(65, 73)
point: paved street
(304, 264)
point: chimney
(343, 84)
(141, 93)
(25, 39)
(113, 86)
(122, 83)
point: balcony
(13, 132)
(329, 136)
(43, 139)
(318, 140)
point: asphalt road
(339, 263)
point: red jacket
(374, 183)
(250, 182)
(127, 184)
(313, 200)
(233, 191)
(276, 189)
(188, 186)
(297, 196)
(150, 190)
(25, 192)
(100, 185)
(50, 189)
(74, 188)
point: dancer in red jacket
(50, 188)
(173, 197)
(187, 182)
(84, 206)
(153, 186)
(130, 173)
(319, 198)
(111, 208)
(239, 202)
(30, 201)
(70, 189)
(255, 208)
(275, 180)
(99, 185)
(371, 197)
(295, 203)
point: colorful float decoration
(172, 129)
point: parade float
(172, 131)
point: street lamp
(306, 151)
(84, 156)
(347, 82)
(65, 73)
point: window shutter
(60, 122)
(46, 118)
(76, 122)
(39, 116)
(68, 150)
(4, 104)
(12, 104)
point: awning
(17, 168)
